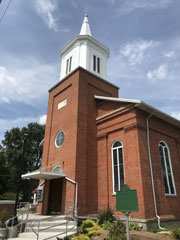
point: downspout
(152, 174)
(107, 170)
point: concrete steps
(42, 236)
(53, 227)
(50, 227)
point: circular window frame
(55, 142)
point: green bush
(87, 224)
(4, 216)
(8, 196)
(91, 228)
(95, 231)
(117, 231)
(106, 216)
(176, 233)
(80, 237)
(106, 225)
(135, 227)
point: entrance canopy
(42, 174)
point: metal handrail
(38, 231)
(56, 235)
(21, 217)
(46, 228)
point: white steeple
(86, 52)
(85, 29)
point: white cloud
(26, 83)
(46, 9)
(7, 124)
(127, 6)
(134, 52)
(160, 73)
(176, 115)
(8, 85)
(170, 54)
(42, 119)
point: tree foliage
(4, 172)
(19, 154)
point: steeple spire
(85, 29)
(85, 52)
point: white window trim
(170, 164)
(56, 137)
(68, 65)
(114, 193)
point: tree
(4, 172)
(22, 154)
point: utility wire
(5, 10)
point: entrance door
(55, 196)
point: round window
(59, 139)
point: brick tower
(70, 136)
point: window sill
(170, 195)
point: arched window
(167, 169)
(117, 166)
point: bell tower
(70, 143)
(86, 52)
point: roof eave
(145, 107)
(114, 99)
(156, 112)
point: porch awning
(40, 174)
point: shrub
(91, 228)
(176, 233)
(87, 224)
(95, 231)
(80, 237)
(106, 225)
(8, 196)
(117, 231)
(135, 227)
(4, 216)
(106, 216)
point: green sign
(126, 200)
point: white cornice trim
(88, 38)
(144, 107)
(118, 99)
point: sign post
(126, 202)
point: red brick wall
(86, 168)
(63, 119)
(105, 107)
(130, 128)
(124, 129)
(159, 130)
(77, 156)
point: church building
(96, 141)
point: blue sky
(143, 37)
